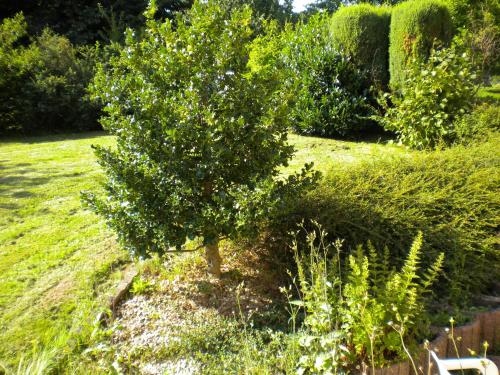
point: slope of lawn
(330, 153)
(54, 256)
(57, 260)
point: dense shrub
(60, 86)
(16, 63)
(436, 94)
(362, 33)
(452, 196)
(416, 26)
(331, 100)
(200, 135)
(480, 23)
(328, 95)
(465, 12)
(43, 83)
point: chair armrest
(484, 365)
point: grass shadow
(9, 206)
(23, 194)
(48, 138)
(20, 181)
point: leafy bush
(451, 196)
(479, 23)
(362, 32)
(435, 95)
(43, 84)
(330, 98)
(327, 95)
(200, 135)
(467, 12)
(367, 314)
(60, 86)
(416, 27)
(481, 35)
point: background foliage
(84, 22)
(479, 22)
(43, 83)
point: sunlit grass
(330, 153)
(55, 257)
(491, 92)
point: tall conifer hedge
(362, 32)
(416, 26)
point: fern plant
(364, 315)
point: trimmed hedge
(362, 32)
(415, 27)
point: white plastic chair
(484, 365)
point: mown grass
(57, 260)
(491, 92)
(331, 153)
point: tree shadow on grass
(22, 194)
(13, 166)
(17, 176)
(19, 181)
(48, 138)
(371, 136)
(9, 206)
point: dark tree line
(87, 21)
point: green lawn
(491, 92)
(58, 261)
(55, 257)
(331, 153)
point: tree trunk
(213, 259)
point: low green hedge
(452, 196)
